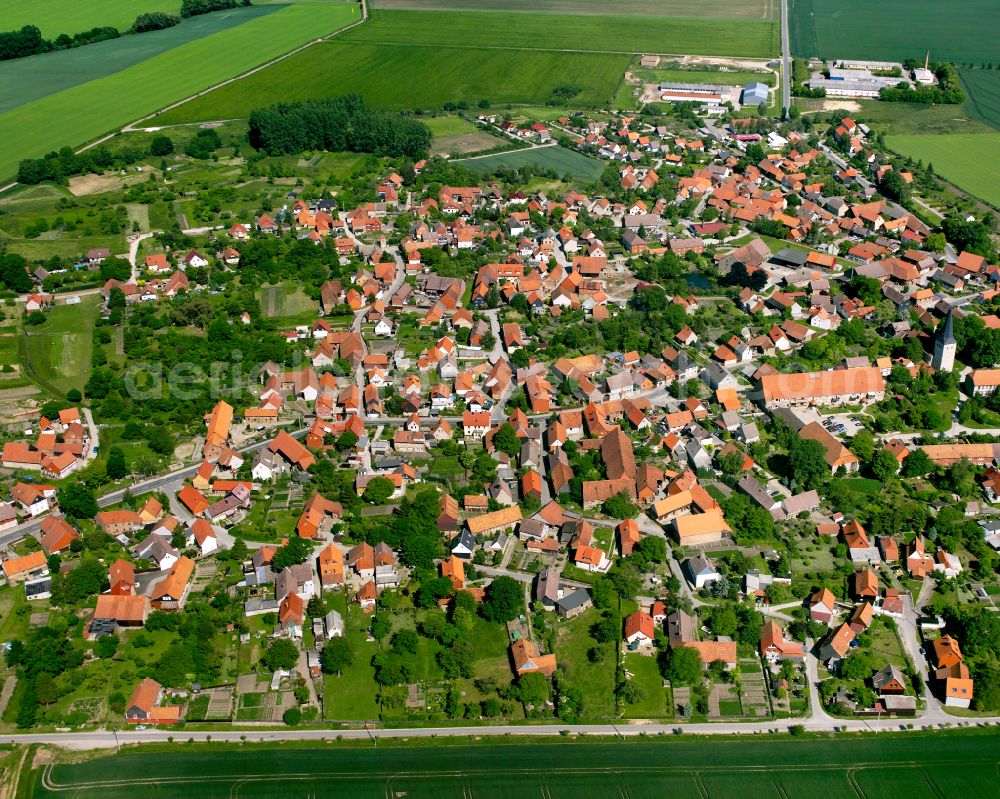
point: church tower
(945, 346)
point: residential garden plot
(286, 300)
(970, 161)
(645, 672)
(56, 354)
(861, 29)
(596, 681)
(585, 33)
(353, 694)
(89, 110)
(23, 80)
(737, 9)
(407, 76)
(563, 161)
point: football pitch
(886, 767)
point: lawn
(983, 88)
(596, 681)
(726, 9)
(409, 76)
(958, 766)
(970, 161)
(862, 485)
(446, 464)
(563, 161)
(23, 80)
(861, 29)
(646, 672)
(56, 354)
(449, 125)
(87, 111)
(353, 694)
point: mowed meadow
(893, 30)
(407, 60)
(87, 111)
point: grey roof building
(755, 93)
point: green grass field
(567, 32)
(57, 16)
(700, 76)
(893, 30)
(404, 77)
(24, 80)
(410, 59)
(87, 111)
(729, 9)
(945, 766)
(56, 354)
(563, 161)
(983, 89)
(970, 161)
(450, 125)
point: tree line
(336, 124)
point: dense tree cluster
(979, 631)
(974, 236)
(948, 90)
(154, 21)
(192, 8)
(20, 43)
(336, 124)
(57, 166)
(14, 274)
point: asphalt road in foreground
(105, 739)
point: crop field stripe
(861, 29)
(85, 112)
(982, 86)
(559, 158)
(405, 77)
(24, 80)
(722, 9)
(719, 770)
(564, 32)
(64, 16)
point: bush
(161, 146)
(292, 716)
(154, 21)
